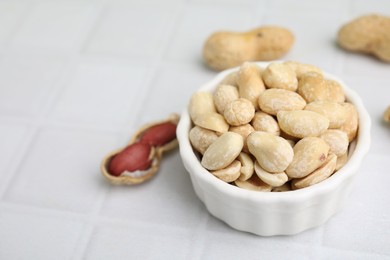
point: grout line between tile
(84, 241)
(40, 122)
(42, 210)
(37, 124)
(74, 59)
(89, 26)
(19, 25)
(158, 60)
(360, 251)
(18, 159)
(115, 221)
(86, 235)
(320, 243)
(77, 126)
(340, 56)
(98, 20)
(199, 239)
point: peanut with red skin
(160, 134)
(133, 158)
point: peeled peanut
(351, 148)
(201, 138)
(341, 161)
(224, 50)
(273, 153)
(250, 84)
(229, 173)
(159, 135)
(272, 101)
(266, 123)
(335, 112)
(253, 183)
(351, 125)
(302, 123)
(247, 166)
(337, 141)
(239, 112)
(212, 121)
(288, 137)
(367, 34)
(273, 179)
(223, 95)
(309, 154)
(284, 187)
(322, 173)
(291, 142)
(313, 86)
(244, 131)
(280, 76)
(301, 68)
(201, 103)
(223, 151)
(230, 79)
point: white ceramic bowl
(274, 213)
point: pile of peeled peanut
(281, 128)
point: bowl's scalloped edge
(282, 213)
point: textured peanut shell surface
(224, 49)
(386, 115)
(369, 34)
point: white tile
(241, 245)
(233, 2)
(51, 26)
(136, 30)
(102, 92)
(11, 14)
(374, 94)
(364, 224)
(372, 169)
(25, 83)
(168, 199)
(314, 36)
(198, 22)
(336, 254)
(307, 5)
(11, 137)
(62, 171)
(137, 241)
(25, 235)
(362, 7)
(169, 3)
(364, 65)
(171, 89)
(310, 237)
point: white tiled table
(78, 77)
